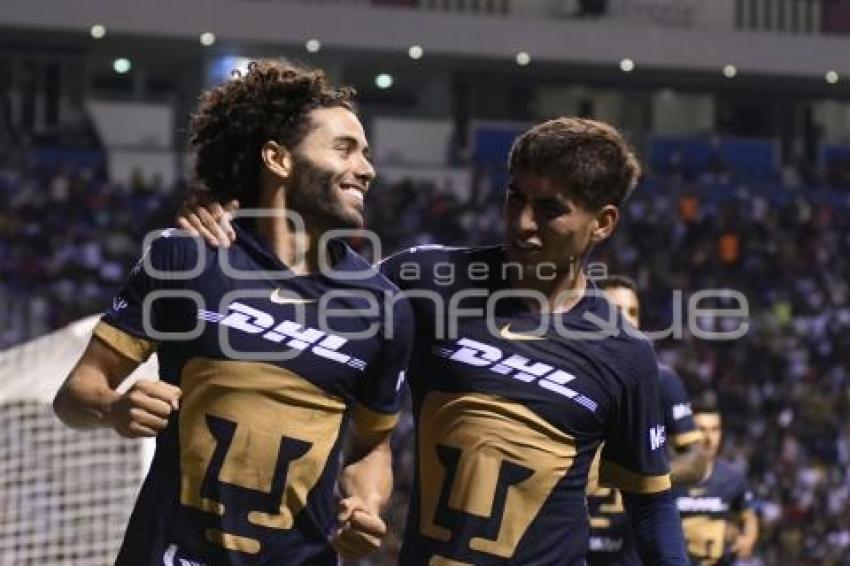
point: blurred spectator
(67, 240)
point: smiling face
(568, 178)
(543, 225)
(331, 171)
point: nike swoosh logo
(281, 299)
(506, 333)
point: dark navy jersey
(509, 414)
(708, 507)
(678, 416)
(611, 539)
(270, 367)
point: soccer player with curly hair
(522, 369)
(268, 364)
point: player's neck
(561, 293)
(297, 249)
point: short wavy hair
(271, 101)
(590, 158)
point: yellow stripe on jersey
(705, 537)
(593, 472)
(137, 349)
(233, 542)
(373, 421)
(686, 438)
(614, 475)
(485, 434)
(256, 409)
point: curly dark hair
(271, 101)
(590, 158)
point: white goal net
(65, 495)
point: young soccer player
(259, 375)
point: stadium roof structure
(706, 37)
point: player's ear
(277, 159)
(604, 222)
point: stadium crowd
(68, 237)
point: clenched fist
(143, 411)
(361, 529)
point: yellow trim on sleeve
(593, 473)
(373, 421)
(686, 438)
(614, 475)
(137, 349)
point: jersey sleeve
(378, 398)
(390, 267)
(413, 267)
(678, 416)
(633, 458)
(139, 311)
(744, 499)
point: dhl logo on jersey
(296, 336)
(520, 368)
(701, 505)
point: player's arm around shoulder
(201, 216)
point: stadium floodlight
(415, 52)
(122, 65)
(207, 38)
(384, 81)
(313, 45)
(523, 58)
(627, 65)
(97, 31)
(831, 77)
(729, 71)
